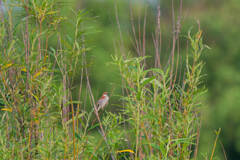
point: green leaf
(78, 136)
(145, 81)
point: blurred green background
(220, 23)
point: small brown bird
(103, 101)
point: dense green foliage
(55, 62)
(220, 23)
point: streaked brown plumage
(103, 101)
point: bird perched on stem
(103, 101)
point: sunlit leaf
(7, 109)
(126, 150)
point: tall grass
(39, 62)
(163, 118)
(41, 118)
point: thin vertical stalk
(224, 152)
(144, 37)
(157, 41)
(27, 49)
(73, 125)
(65, 109)
(79, 97)
(119, 29)
(2, 12)
(27, 45)
(30, 141)
(65, 106)
(134, 32)
(39, 41)
(173, 44)
(137, 132)
(197, 143)
(215, 143)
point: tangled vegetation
(43, 117)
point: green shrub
(43, 117)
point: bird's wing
(102, 102)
